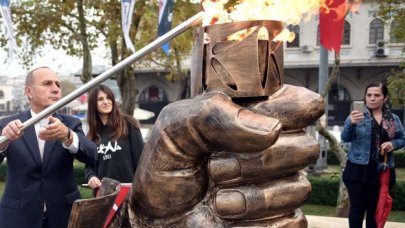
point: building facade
(369, 51)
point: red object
(385, 201)
(331, 23)
(124, 189)
(83, 98)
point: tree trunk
(343, 203)
(183, 77)
(87, 61)
(126, 83)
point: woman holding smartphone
(118, 138)
(373, 132)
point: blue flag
(165, 20)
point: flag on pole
(331, 23)
(122, 194)
(127, 9)
(165, 20)
(8, 25)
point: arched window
(152, 94)
(346, 34)
(395, 30)
(1, 94)
(339, 105)
(296, 42)
(152, 99)
(376, 31)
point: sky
(55, 59)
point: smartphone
(358, 106)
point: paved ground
(334, 222)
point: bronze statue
(231, 156)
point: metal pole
(321, 163)
(115, 69)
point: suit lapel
(30, 138)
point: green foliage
(398, 194)
(396, 85)
(393, 12)
(399, 158)
(325, 191)
(59, 23)
(86, 192)
(331, 158)
(79, 173)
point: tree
(61, 25)
(144, 31)
(343, 203)
(393, 11)
(79, 26)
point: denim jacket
(359, 135)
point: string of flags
(127, 9)
(165, 20)
(8, 26)
(164, 23)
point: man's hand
(55, 130)
(11, 131)
(211, 163)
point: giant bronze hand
(210, 162)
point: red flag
(331, 23)
(124, 189)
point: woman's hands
(356, 117)
(94, 182)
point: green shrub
(399, 158)
(78, 166)
(331, 158)
(398, 194)
(324, 189)
(79, 173)
(325, 192)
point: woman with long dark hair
(118, 138)
(373, 132)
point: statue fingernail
(230, 203)
(223, 169)
(256, 122)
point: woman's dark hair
(117, 120)
(382, 85)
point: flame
(355, 6)
(339, 12)
(285, 35)
(289, 12)
(286, 11)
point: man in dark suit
(41, 186)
